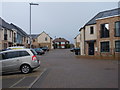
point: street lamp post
(30, 22)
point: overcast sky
(60, 19)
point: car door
(10, 61)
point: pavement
(61, 69)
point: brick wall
(111, 21)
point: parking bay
(18, 80)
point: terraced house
(7, 34)
(12, 35)
(101, 35)
(88, 37)
(108, 32)
(22, 37)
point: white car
(24, 60)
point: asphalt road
(64, 70)
(61, 69)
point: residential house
(108, 32)
(42, 40)
(21, 36)
(6, 34)
(89, 36)
(77, 41)
(60, 43)
(34, 40)
(101, 35)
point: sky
(58, 19)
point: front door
(91, 48)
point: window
(45, 38)
(10, 34)
(14, 37)
(62, 42)
(117, 46)
(15, 54)
(5, 31)
(117, 29)
(105, 46)
(5, 45)
(34, 40)
(91, 30)
(9, 55)
(23, 53)
(27, 41)
(5, 34)
(104, 32)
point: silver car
(24, 60)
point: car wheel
(25, 69)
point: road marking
(37, 78)
(17, 82)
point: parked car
(24, 60)
(77, 51)
(72, 49)
(45, 48)
(39, 51)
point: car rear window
(33, 51)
